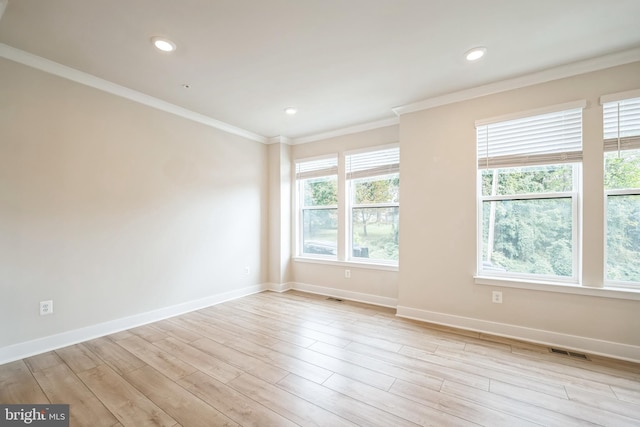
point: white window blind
(373, 163)
(548, 138)
(316, 168)
(622, 124)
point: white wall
(438, 218)
(279, 214)
(113, 209)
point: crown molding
(51, 67)
(347, 131)
(279, 140)
(568, 70)
(563, 71)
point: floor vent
(569, 353)
(334, 299)
(578, 355)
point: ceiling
(341, 63)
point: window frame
(350, 206)
(523, 160)
(575, 197)
(619, 144)
(607, 282)
(344, 251)
(300, 206)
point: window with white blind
(528, 194)
(359, 224)
(373, 184)
(317, 188)
(621, 120)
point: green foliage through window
(622, 170)
(321, 191)
(320, 215)
(622, 182)
(530, 234)
(375, 217)
(528, 180)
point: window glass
(621, 123)
(318, 206)
(622, 189)
(536, 179)
(320, 215)
(361, 224)
(532, 236)
(320, 191)
(320, 231)
(528, 194)
(623, 238)
(622, 170)
(375, 217)
(381, 189)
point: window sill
(565, 288)
(352, 264)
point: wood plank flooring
(296, 359)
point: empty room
(319, 213)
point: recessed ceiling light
(164, 45)
(290, 110)
(475, 53)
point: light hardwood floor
(298, 359)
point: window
(622, 191)
(350, 211)
(374, 206)
(317, 182)
(528, 187)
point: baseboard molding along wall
(280, 287)
(64, 339)
(343, 294)
(553, 339)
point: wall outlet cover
(46, 307)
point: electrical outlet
(347, 274)
(496, 297)
(247, 271)
(46, 307)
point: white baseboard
(565, 341)
(279, 287)
(343, 294)
(64, 339)
(539, 336)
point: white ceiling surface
(340, 62)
